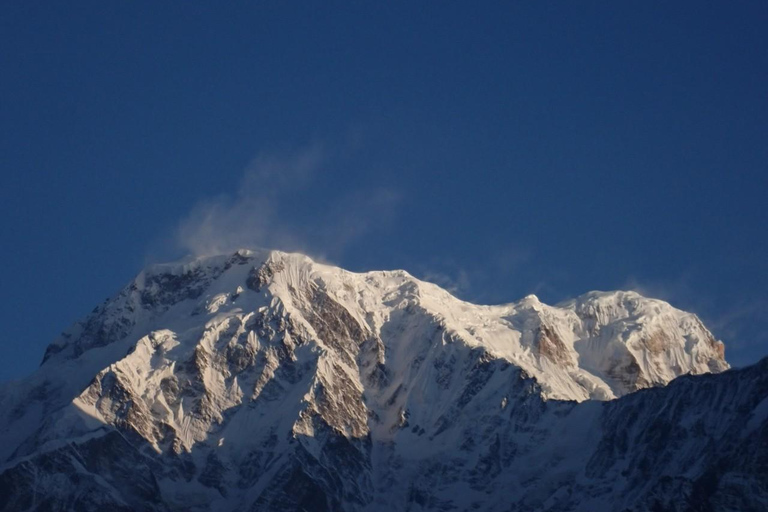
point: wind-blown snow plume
(274, 207)
(251, 216)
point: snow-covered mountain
(266, 381)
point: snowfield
(263, 380)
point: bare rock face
(549, 345)
(265, 381)
(259, 277)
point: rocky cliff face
(265, 381)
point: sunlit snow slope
(266, 381)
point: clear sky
(497, 148)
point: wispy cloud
(479, 282)
(457, 284)
(251, 216)
(275, 206)
(680, 291)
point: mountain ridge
(622, 304)
(262, 379)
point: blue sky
(504, 149)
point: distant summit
(263, 380)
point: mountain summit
(263, 380)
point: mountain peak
(205, 323)
(265, 359)
(598, 345)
